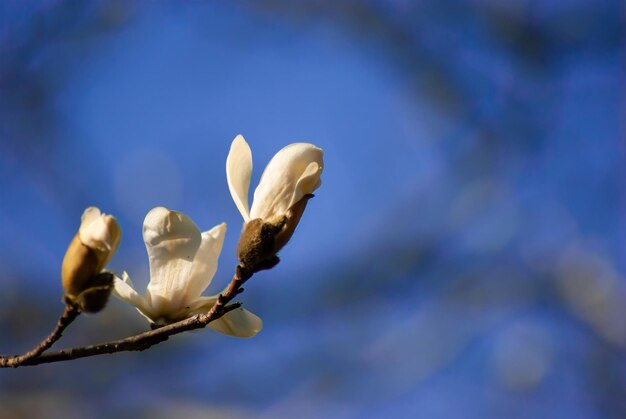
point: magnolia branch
(138, 342)
(280, 199)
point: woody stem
(137, 342)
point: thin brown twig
(145, 340)
(69, 315)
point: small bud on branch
(89, 251)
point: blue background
(464, 257)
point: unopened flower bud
(89, 251)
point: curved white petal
(239, 322)
(172, 241)
(238, 173)
(309, 181)
(205, 261)
(124, 290)
(292, 173)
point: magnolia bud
(89, 251)
(261, 240)
(94, 298)
(257, 244)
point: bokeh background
(464, 258)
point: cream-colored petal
(201, 305)
(205, 262)
(89, 215)
(292, 173)
(240, 323)
(238, 173)
(309, 181)
(124, 290)
(99, 232)
(172, 241)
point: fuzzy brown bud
(95, 298)
(261, 240)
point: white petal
(308, 182)
(205, 262)
(172, 241)
(99, 232)
(124, 290)
(201, 305)
(238, 173)
(292, 173)
(239, 322)
(89, 215)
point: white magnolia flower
(90, 250)
(291, 174)
(279, 201)
(182, 264)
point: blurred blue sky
(464, 257)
